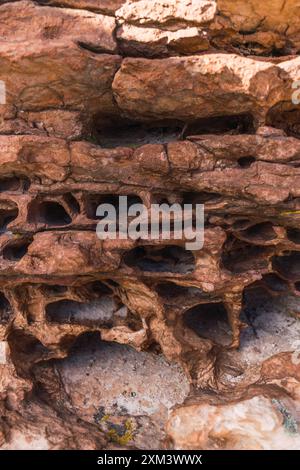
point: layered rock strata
(180, 102)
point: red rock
(199, 86)
(42, 70)
(230, 427)
(103, 6)
(26, 21)
(157, 101)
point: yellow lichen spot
(104, 418)
(122, 439)
(290, 213)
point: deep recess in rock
(11, 184)
(171, 292)
(132, 343)
(293, 235)
(99, 288)
(127, 133)
(93, 313)
(288, 265)
(246, 162)
(55, 289)
(239, 256)
(72, 203)
(275, 283)
(209, 321)
(254, 316)
(170, 259)
(253, 48)
(26, 349)
(232, 124)
(50, 213)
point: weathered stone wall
(178, 101)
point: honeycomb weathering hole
(275, 283)
(94, 200)
(12, 184)
(95, 313)
(5, 309)
(172, 259)
(16, 251)
(239, 256)
(165, 102)
(263, 231)
(241, 224)
(127, 133)
(55, 289)
(100, 288)
(72, 203)
(293, 235)
(237, 124)
(179, 296)
(25, 350)
(50, 213)
(9, 184)
(288, 265)
(285, 116)
(7, 216)
(246, 162)
(209, 321)
(271, 326)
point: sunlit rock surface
(142, 343)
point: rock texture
(179, 101)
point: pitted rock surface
(181, 102)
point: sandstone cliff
(178, 101)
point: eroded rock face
(241, 426)
(156, 101)
(250, 28)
